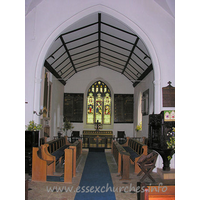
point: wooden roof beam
(130, 54)
(53, 71)
(99, 38)
(66, 49)
(144, 74)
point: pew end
(125, 165)
(48, 157)
(44, 159)
(122, 159)
(40, 167)
(68, 169)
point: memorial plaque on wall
(168, 96)
(123, 108)
(73, 107)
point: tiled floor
(52, 190)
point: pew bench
(71, 155)
(122, 159)
(56, 147)
(44, 163)
(41, 167)
(60, 152)
(50, 150)
(53, 152)
(156, 191)
(136, 149)
(43, 140)
(145, 141)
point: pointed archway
(133, 26)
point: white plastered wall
(117, 83)
(145, 84)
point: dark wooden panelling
(73, 107)
(123, 108)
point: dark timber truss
(99, 44)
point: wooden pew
(156, 192)
(47, 156)
(77, 151)
(44, 163)
(136, 150)
(116, 150)
(122, 158)
(145, 141)
(43, 140)
(125, 165)
(54, 145)
(55, 149)
(71, 156)
(40, 167)
(68, 167)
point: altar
(97, 139)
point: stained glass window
(99, 103)
(107, 108)
(90, 108)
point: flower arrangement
(32, 126)
(171, 143)
(68, 125)
(139, 127)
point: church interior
(100, 99)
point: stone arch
(132, 25)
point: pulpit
(160, 131)
(97, 139)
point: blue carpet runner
(96, 182)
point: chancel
(100, 87)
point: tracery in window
(90, 108)
(107, 108)
(98, 113)
(99, 103)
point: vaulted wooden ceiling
(98, 40)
